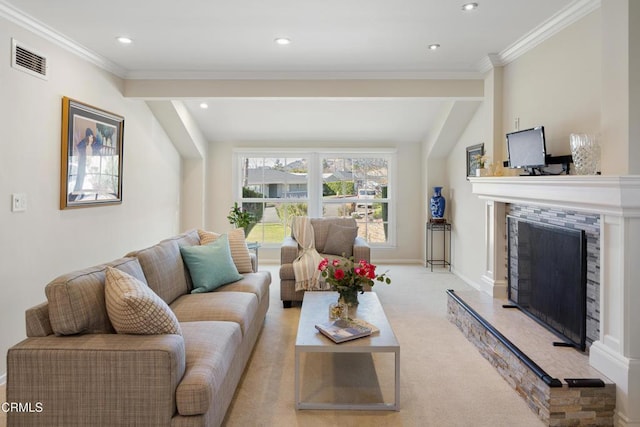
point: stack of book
(342, 330)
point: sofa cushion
(340, 240)
(134, 308)
(237, 244)
(210, 266)
(165, 272)
(237, 307)
(37, 319)
(76, 299)
(210, 348)
(321, 229)
(256, 283)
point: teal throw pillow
(210, 266)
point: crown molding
(571, 13)
(23, 20)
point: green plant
(239, 217)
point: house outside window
(275, 187)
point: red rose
(339, 274)
(323, 264)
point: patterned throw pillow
(134, 308)
(210, 265)
(340, 240)
(238, 245)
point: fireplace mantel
(612, 195)
(617, 200)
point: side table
(445, 229)
(254, 246)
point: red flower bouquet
(348, 278)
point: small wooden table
(315, 309)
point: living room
(579, 77)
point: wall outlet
(516, 123)
(18, 202)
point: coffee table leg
(397, 400)
(297, 379)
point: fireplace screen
(547, 276)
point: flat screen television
(527, 149)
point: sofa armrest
(361, 250)
(288, 250)
(96, 379)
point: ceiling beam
(176, 89)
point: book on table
(374, 328)
(342, 330)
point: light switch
(18, 202)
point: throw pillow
(211, 265)
(340, 240)
(237, 244)
(134, 308)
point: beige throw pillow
(134, 308)
(340, 240)
(237, 244)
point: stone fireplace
(615, 202)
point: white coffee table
(315, 309)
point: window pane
(361, 184)
(274, 177)
(275, 221)
(373, 222)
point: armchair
(333, 237)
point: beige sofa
(330, 242)
(79, 372)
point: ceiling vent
(25, 59)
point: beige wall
(44, 242)
(558, 85)
(409, 194)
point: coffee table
(315, 309)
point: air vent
(25, 59)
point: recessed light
(469, 6)
(124, 40)
(282, 41)
(204, 105)
(434, 46)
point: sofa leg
(286, 304)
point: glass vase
(585, 151)
(350, 297)
(338, 310)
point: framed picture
(474, 153)
(91, 160)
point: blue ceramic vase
(437, 204)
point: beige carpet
(444, 380)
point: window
(276, 187)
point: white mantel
(617, 200)
(611, 195)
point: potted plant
(240, 218)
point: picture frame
(91, 156)
(474, 152)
